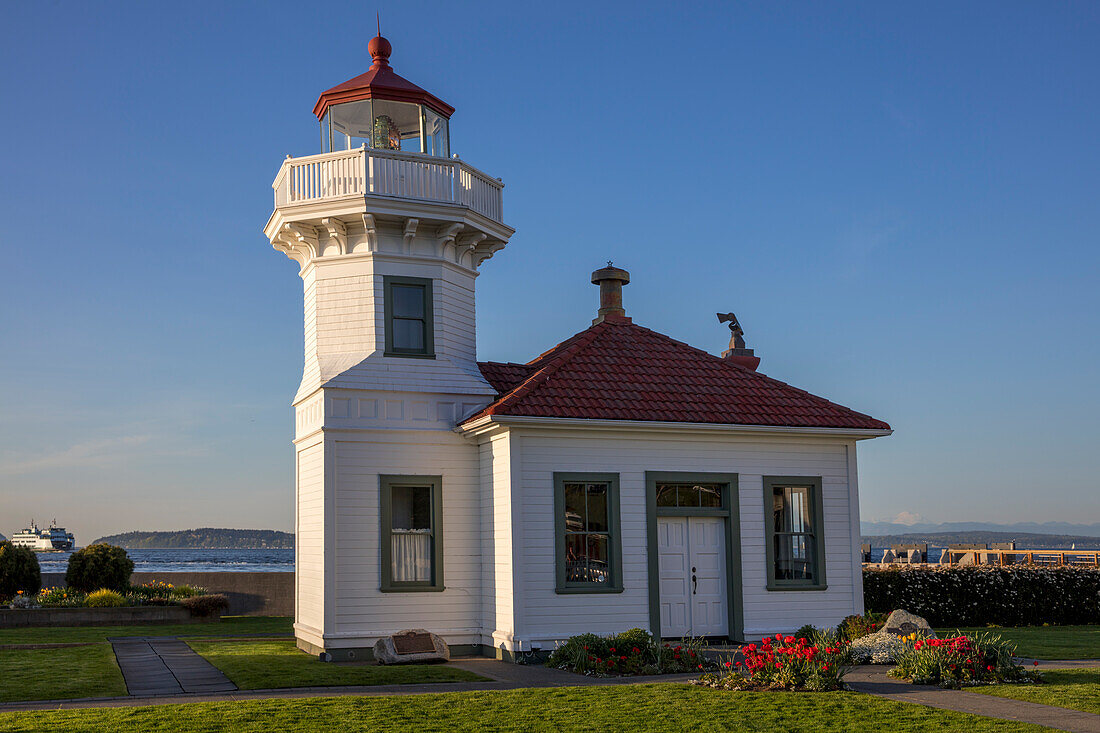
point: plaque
(413, 643)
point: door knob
(694, 585)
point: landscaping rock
(386, 649)
(903, 623)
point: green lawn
(662, 707)
(1046, 642)
(260, 665)
(52, 674)
(228, 626)
(1078, 689)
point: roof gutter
(488, 423)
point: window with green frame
(408, 316)
(412, 533)
(588, 543)
(793, 519)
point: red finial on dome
(380, 50)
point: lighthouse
(389, 228)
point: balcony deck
(370, 172)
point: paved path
(165, 666)
(873, 680)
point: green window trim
(813, 485)
(388, 283)
(386, 485)
(614, 535)
(729, 510)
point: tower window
(408, 309)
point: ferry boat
(54, 538)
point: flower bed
(155, 593)
(1021, 595)
(633, 652)
(959, 661)
(785, 663)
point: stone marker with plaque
(411, 646)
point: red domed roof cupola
(380, 82)
(382, 111)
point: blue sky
(899, 201)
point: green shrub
(99, 566)
(959, 661)
(807, 632)
(853, 627)
(204, 606)
(1018, 595)
(18, 571)
(631, 652)
(105, 598)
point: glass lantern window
(385, 125)
(436, 137)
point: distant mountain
(1024, 540)
(205, 537)
(1060, 528)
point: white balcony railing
(388, 173)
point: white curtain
(412, 555)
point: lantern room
(383, 111)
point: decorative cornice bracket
(338, 232)
(410, 234)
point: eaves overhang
(492, 423)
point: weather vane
(737, 334)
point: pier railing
(978, 556)
(367, 171)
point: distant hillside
(1059, 528)
(1024, 540)
(205, 537)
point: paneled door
(691, 555)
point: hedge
(1021, 595)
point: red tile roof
(616, 370)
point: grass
(661, 707)
(228, 626)
(1078, 689)
(53, 674)
(260, 665)
(1046, 642)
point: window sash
(411, 557)
(795, 546)
(588, 556)
(421, 319)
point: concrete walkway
(873, 680)
(155, 666)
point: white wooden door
(707, 540)
(691, 555)
(674, 576)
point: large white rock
(903, 623)
(386, 653)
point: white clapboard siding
(547, 616)
(345, 330)
(362, 611)
(309, 544)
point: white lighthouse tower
(389, 230)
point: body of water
(190, 561)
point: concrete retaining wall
(249, 594)
(125, 616)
